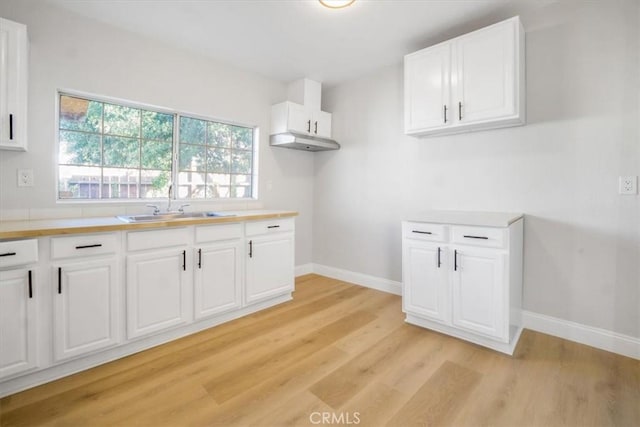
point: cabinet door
(427, 89)
(321, 125)
(13, 85)
(479, 292)
(18, 322)
(269, 266)
(299, 119)
(217, 278)
(85, 312)
(156, 293)
(426, 291)
(485, 68)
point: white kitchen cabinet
(428, 89)
(269, 260)
(85, 306)
(478, 292)
(472, 82)
(218, 269)
(291, 117)
(18, 322)
(465, 280)
(13, 85)
(157, 280)
(426, 290)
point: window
(114, 151)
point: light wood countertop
(50, 227)
(482, 219)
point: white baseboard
(595, 337)
(384, 285)
(303, 269)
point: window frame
(177, 114)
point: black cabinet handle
(199, 258)
(10, 126)
(30, 285)
(184, 260)
(459, 110)
(476, 237)
(97, 245)
(273, 226)
(421, 232)
(455, 260)
(250, 248)
(59, 280)
(316, 128)
(445, 113)
(439, 261)
(8, 254)
(309, 126)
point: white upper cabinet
(291, 117)
(428, 89)
(472, 82)
(13, 85)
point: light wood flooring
(345, 351)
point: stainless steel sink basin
(168, 216)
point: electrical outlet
(628, 185)
(25, 177)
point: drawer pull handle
(184, 260)
(59, 280)
(250, 248)
(476, 237)
(439, 260)
(11, 126)
(8, 254)
(30, 285)
(421, 232)
(97, 245)
(199, 258)
(455, 260)
(273, 226)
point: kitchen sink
(168, 216)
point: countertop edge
(68, 228)
(513, 218)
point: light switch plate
(628, 185)
(25, 177)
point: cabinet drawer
(78, 246)
(18, 252)
(268, 227)
(425, 231)
(480, 236)
(141, 240)
(212, 233)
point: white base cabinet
(465, 281)
(85, 312)
(18, 322)
(108, 295)
(269, 261)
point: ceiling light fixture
(336, 4)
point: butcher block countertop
(50, 227)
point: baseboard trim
(603, 339)
(384, 285)
(595, 337)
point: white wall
(71, 52)
(582, 239)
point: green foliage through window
(111, 151)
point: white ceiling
(289, 39)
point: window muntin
(113, 151)
(215, 160)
